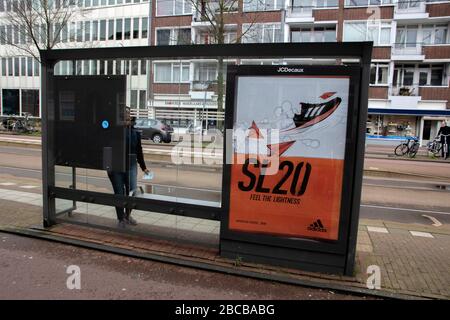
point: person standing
(444, 133)
(125, 182)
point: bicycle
(434, 146)
(445, 145)
(410, 147)
(24, 125)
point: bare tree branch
(37, 24)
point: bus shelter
(271, 146)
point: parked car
(154, 130)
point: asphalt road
(37, 269)
(205, 184)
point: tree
(33, 25)
(218, 14)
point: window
(173, 7)
(16, 66)
(134, 67)
(207, 38)
(2, 33)
(101, 68)
(16, 34)
(102, 30)
(313, 34)
(379, 74)
(94, 30)
(173, 36)
(23, 66)
(79, 31)
(262, 5)
(118, 66)
(261, 33)
(65, 33)
(365, 3)
(171, 72)
(10, 66)
(93, 67)
(119, 29)
(4, 67)
(434, 34)
(144, 28)
(376, 31)
(143, 67)
(406, 36)
(30, 102)
(29, 66)
(135, 28)
(85, 67)
(206, 73)
(133, 99)
(73, 30)
(142, 99)
(87, 31)
(110, 29)
(436, 76)
(163, 37)
(109, 67)
(422, 75)
(37, 67)
(10, 101)
(127, 28)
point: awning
(410, 112)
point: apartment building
(409, 82)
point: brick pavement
(411, 265)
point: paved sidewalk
(414, 259)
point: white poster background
(272, 101)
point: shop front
(390, 126)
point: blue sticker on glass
(105, 124)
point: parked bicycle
(445, 145)
(435, 146)
(409, 147)
(19, 124)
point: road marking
(7, 184)
(436, 222)
(421, 234)
(404, 209)
(373, 168)
(28, 187)
(377, 229)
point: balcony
(299, 13)
(203, 89)
(441, 93)
(436, 51)
(407, 52)
(410, 9)
(405, 96)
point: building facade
(409, 83)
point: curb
(392, 157)
(43, 235)
(397, 173)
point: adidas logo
(317, 226)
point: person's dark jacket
(444, 130)
(134, 147)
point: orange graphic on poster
(302, 200)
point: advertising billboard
(289, 148)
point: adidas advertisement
(289, 146)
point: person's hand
(146, 171)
